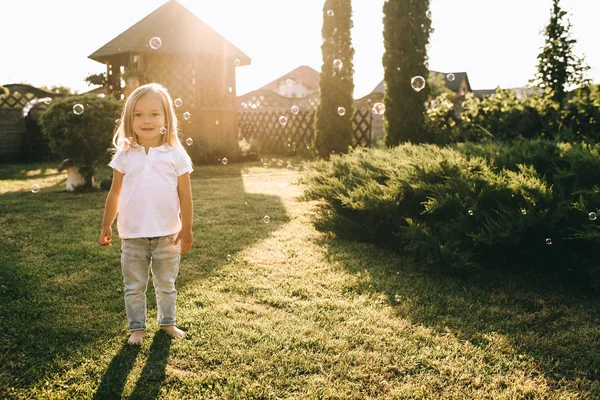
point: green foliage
(406, 30)
(506, 118)
(470, 206)
(333, 129)
(84, 138)
(558, 68)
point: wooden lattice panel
(272, 136)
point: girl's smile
(148, 118)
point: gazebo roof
(180, 31)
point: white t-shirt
(149, 202)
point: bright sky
(495, 42)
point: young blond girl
(150, 187)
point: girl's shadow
(152, 376)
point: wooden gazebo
(195, 63)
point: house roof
(304, 74)
(452, 85)
(180, 31)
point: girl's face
(148, 118)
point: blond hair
(125, 138)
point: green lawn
(293, 314)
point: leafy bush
(84, 138)
(506, 118)
(468, 207)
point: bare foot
(137, 337)
(175, 332)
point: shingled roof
(452, 85)
(180, 31)
(304, 74)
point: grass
(291, 314)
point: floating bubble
(35, 188)
(523, 211)
(378, 108)
(592, 216)
(266, 219)
(101, 95)
(470, 212)
(230, 89)
(78, 109)
(418, 83)
(265, 165)
(187, 116)
(178, 102)
(189, 141)
(237, 62)
(450, 77)
(217, 122)
(228, 257)
(155, 43)
(289, 82)
(163, 130)
(330, 13)
(435, 103)
(341, 111)
(428, 14)
(224, 161)
(548, 241)
(338, 64)
(290, 167)
(124, 141)
(295, 110)
(283, 120)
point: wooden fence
(265, 129)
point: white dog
(74, 178)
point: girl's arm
(184, 190)
(111, 208)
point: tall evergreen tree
(406, 29)
(558, 68)
(333, 126)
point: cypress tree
(333, 126)
(406, 29)
(558, 68)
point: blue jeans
(138, 256)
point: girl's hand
(186, 238)
(106, 236)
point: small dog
(74, 178)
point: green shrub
(84, 138)
(467, 207)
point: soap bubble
(470, 212)
(290, 167)
(338, 64)
(266, 219)
(224, 161)
(295, 110)
(265, 165)
(289, 82)
(163, 130)
(217, 122)
(341, 111)
(237, 62)
(592, 216)
(155, 43)
(187, 116)
(378, 108)
(330, 13)
(523, 211)
(283, 120)
(450, 77)
(189, 141)
(228, 257)
(418, 83)
(78, 109)
(428, 14)
(548, 241)
(178, 102)
(35, 188)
